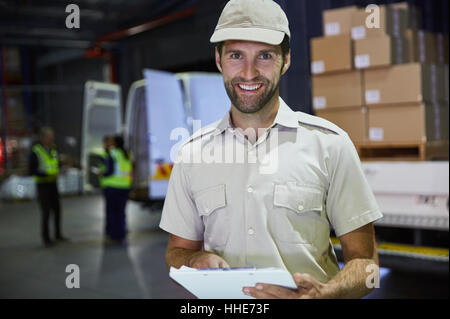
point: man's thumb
(302, 281)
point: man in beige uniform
(278, 180)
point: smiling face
(251, 72)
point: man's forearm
(350, 282)
(177, 257)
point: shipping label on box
(362, 61)
(320, 102)
(376, 134)
(372, 96)
(332, 29)
(358, 32)
(317, 67)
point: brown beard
(269, 91)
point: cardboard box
(413, 14)
(437, 122)
(415, 122)
(331, 54)
(442, 48)
(422, 46)
(338, 21)
(391, 22)
(380, 51)
(353, 120)
(401, 49)
(337, 90)
(434, 82)
(402, 83)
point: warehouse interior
(386, 87)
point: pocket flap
(210, 199)
(298, 198)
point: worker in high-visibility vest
(100, 170)
(116, 182)
(108, 144)
(44, 166)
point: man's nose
(249, 71)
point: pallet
(420, 151)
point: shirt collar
(285, 117)
(224, 123)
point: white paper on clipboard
(228, 283)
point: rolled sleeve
(180, 216)
(350, 201)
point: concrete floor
(28, 270)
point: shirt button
(251, 231)
(300, 207)
(250, 189)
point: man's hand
(359, 250)
(182, 251)
(203, 259)
(307, 288)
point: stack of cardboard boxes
(383, 85)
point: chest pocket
(211, 206)
(297, 216)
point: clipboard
(227, 283)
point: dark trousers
(48, 198)
(116, 200)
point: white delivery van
(160, 113)
(102, 115)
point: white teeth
(249, 87)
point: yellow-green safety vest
(121, 177)
(48, 164)
(102, 167)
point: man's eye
(266, 56)
(235, 56)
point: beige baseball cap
(252, 20)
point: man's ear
(287, 63)
(218, 60)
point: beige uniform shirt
(271, 203)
